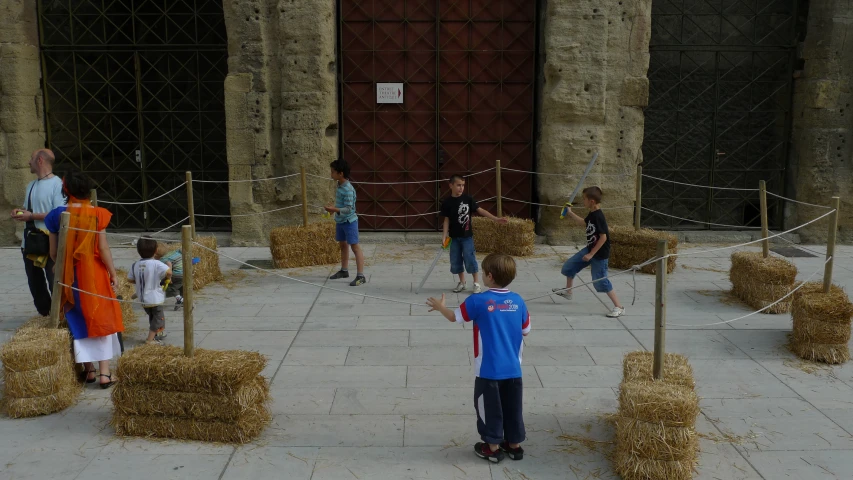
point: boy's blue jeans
(462, 252)
(599, 270)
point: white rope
(702, 186)
(570, 175)
(246, 180)
(144, 201)
(249, 214)
(801, 285)
(403, 183)
(170, 226)
(559, 206)
(101, 296)
(697, 221)
(402, 216)
(797, 201)
(632, 269)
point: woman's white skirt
(95, 349)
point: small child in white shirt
(146, 274)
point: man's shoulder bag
(36, 242)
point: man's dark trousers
(40, 281)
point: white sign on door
(389, 93)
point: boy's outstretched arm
(482, 211)
(575, 218)
(436, 304)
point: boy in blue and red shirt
(501, 320)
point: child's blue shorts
(347, 232)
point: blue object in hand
(196, 260)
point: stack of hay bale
(207, 270)
(125, 290)
(215, 396)
(760, 281)
(821, 324)
(38, 370)
(655, 427)
(629, 247)
(516, 238)
(303, 246)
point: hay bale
(302, 246)
(635, 467)
(516, 238)
(145, 400)
(653, 440)
(760, 281)
(659, 402)
(638, 366)
(821, 324)
(38, 371)
(208, 371)
(629, 247)
(207, 270)
(243, 430)
(125, 290)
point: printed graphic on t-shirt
(591, 237)
(464, 216)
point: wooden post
(187, 259)
(93, 197)
(498, 188)
(762, 197)
(830, 245)
(304, 198)
(638, 205)
(59, 270)
(190, 204)
(660, 311)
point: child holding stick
(346, 223)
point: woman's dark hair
(146, 247)
(76, 184)
(341, 166)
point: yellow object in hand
(20, 213)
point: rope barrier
(248, 214)
(144, 201)
(101, 296)
(247, 180)
(551, 205)
(801, 285)
(697, 221)
(702, 186)
(797, 201)
(568, 175)
(402, 183)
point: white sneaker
(616, 312)
(459, 287)
(477, 288)
(567, 294)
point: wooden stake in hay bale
(516, 238)
(629, 247)
(760, 281)
(212, 396)
(821, 324)
(302, 246)
(38, 372)
(655, 427)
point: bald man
(42, 195)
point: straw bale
(301, 246)
(816, 352)
(33, 348)
(812, 304)
(760, 281)
(656, 441)
(151, 400)
(38, 382)
(208, 371)
(659, 402)
(807, 330)
(638, 366)
(634, 467)
(125, 290)
(243, 430)
(629, 247)
(516, 238)
(207, 270)
(65, 396)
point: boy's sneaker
(179, 302)
(567, 294)
(359, 280)
(616, 312)
(153, 342)
(160, 336)
(340, 274)
(459, 287)
(477, 288)
(513, 453)
(482, 450)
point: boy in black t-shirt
(457, 211)
(596, 254)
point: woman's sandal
(84, 376)
(108, 384)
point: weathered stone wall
(21, 106)
(593, 93)
(822, 139)
(280, 107)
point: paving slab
(341, 376)
(429, 355)
(334, 431)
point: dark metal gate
(134, 98)
(719, 114)
(468, 70)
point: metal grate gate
(134, 98)
(719, 110)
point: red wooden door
(468, 70)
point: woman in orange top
(88, 266)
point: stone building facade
(281, 106)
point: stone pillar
(822, 137)
(593, 94)
(21, 106)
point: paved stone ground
(365, 389)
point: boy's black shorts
(176, 287)
(498, 406)
(156, 318)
